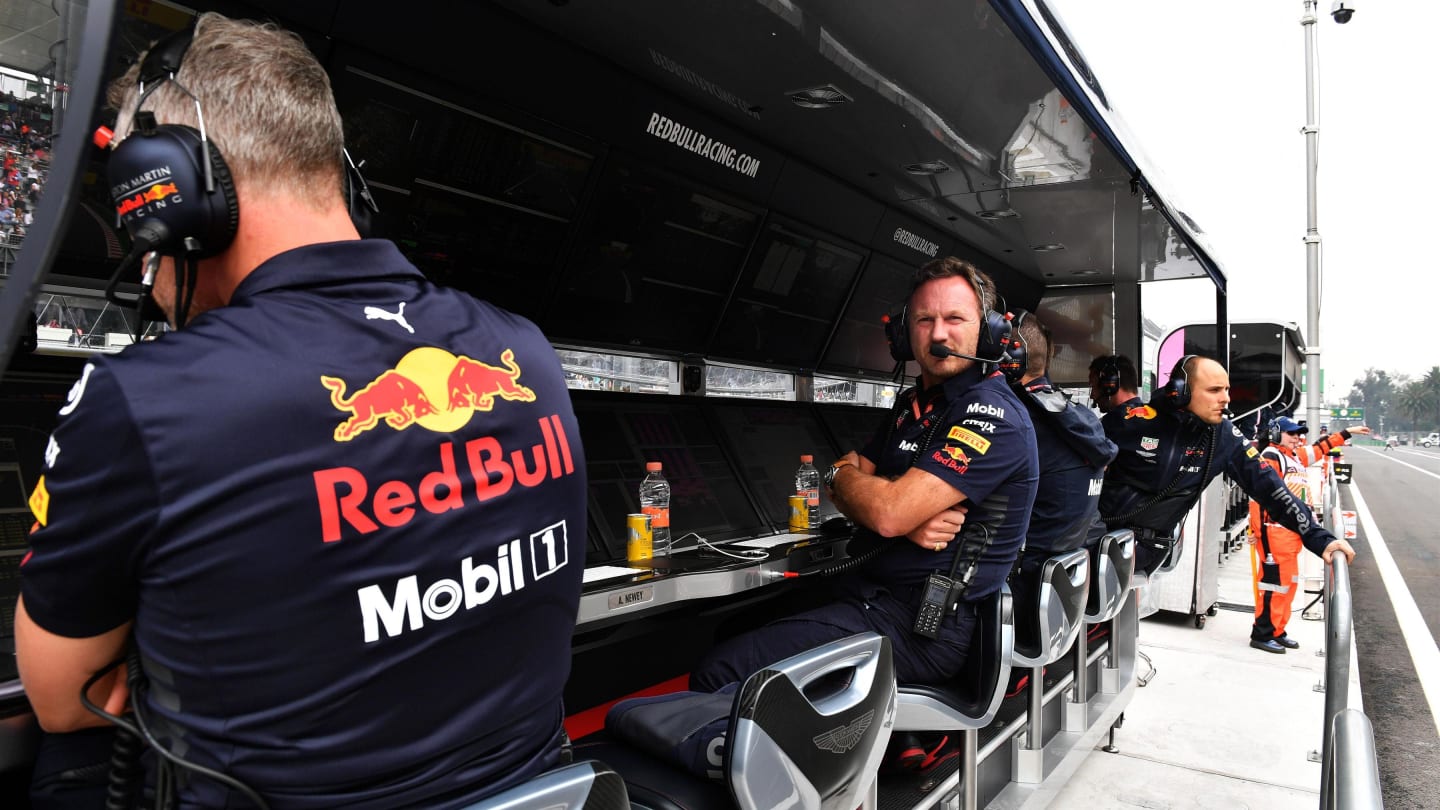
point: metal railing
(1350, 774)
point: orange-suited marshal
(1274, 555)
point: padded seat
(971, 699)
(589, 785)
(807, 732)
(1112, 573)
(1046, 627)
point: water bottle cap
(807, 459)
(652, 466)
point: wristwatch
(833, 469)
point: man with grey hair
(321, 509)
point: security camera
(1342, 12)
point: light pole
(1313, 395)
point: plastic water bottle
(655, 502)
(807, 485)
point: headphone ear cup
(1179, 384)
(159, 175)
(1274, 432)
(1109, 379)
(897, 333)
(994, 337)
(1015, 355)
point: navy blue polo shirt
(347, 515)
(1073, 454)
(982, 443)
(1167, 457)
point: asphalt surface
(1405, 504)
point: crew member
(1073, 453)
(1274, 555)
(327, 504)
(959, 450)
(1170, 450)
(1114, 382)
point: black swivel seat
(968, 702)
(806, 733)
(588, 785)
(1044, 631)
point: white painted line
(1403, 464)
(1423, 650)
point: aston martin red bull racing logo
(156, 193)
(429, 387)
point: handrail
(1356, 782)
(1352, 777)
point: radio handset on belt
(942, 593)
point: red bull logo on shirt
(429, 387)
(952, 457)
(348, 507)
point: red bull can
(639, 547)
(799, 514)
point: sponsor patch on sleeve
(40, 502)
(1251, 452)
(970, 438)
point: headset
(1177, 391)
(1107, 376)
(995, 329)
(1015, 354)
(173, 190)
(1274, 434)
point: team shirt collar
(326, 263)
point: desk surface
(696, 574)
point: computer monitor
(767, 439)
(621, 432)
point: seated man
(1073, 453)
(317, 555)
(957, 452)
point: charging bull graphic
(407, 394)
(475, 385)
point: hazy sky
(1214, 94)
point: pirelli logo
(970, 439)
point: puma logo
(373, 313)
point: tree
(1416, 404)
(1430, 384)
(1375, 393)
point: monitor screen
(767, 439)
(477, 203)
(851, 426)
(621, 432)
(788, 298)
(859, 346)
(653, 265)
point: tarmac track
(1404, 502)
